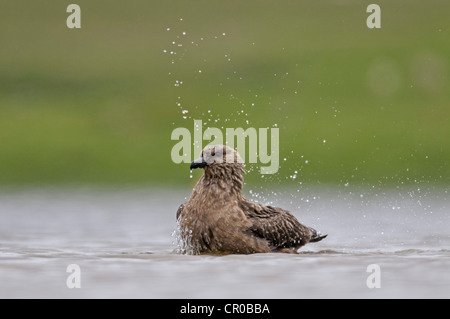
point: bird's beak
(198, 163)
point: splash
(182, 240)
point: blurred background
(97, 105)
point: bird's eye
(213, 153)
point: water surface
(123, 244)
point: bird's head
(219, 161)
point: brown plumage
(218, 219)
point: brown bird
(218, 219)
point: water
(122, 242)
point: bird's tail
(316, 236)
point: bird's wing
(276, 225)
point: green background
(97, 105)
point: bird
(217, 219)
